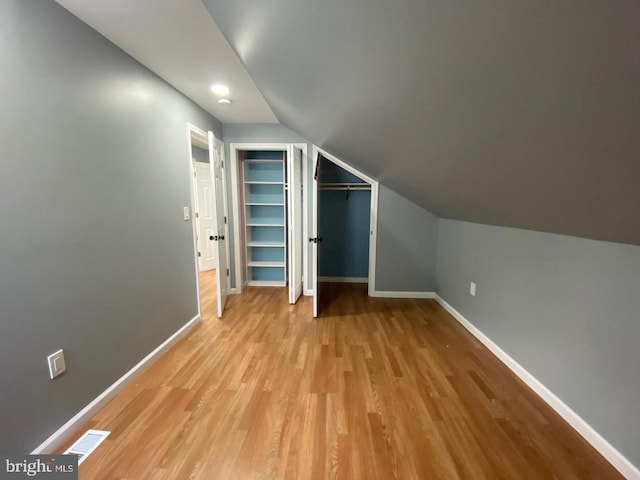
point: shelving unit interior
(264, 184)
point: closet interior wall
(345, 205)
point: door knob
(221, 237)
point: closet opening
(344, 241)
(263, 188)
(268, 206)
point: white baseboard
(308, 293)
(608, 451)
(55, 441)
(382, 294)
(344, 279)
(234, 291)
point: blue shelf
(263, 171)
(264, 193)
(266, 274)
(265, 215)
(267, 254)
(265, 234)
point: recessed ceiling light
(220, 89)
(224, 100)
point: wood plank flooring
(375, 389)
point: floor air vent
(86, 444)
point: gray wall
(95, 256)
(565, 308)
(521, 114)
(406, 245)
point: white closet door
(204, 220)
(315, 241)
(294, 166)
(218, 238)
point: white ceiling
(179, 41)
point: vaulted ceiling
(178, 40)
(524, 114)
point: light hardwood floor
(376, 388)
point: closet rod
(345, 186)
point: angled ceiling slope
(523, 114)
(178, 41)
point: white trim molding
(344, 279)
(608, 451)
(373, 241)
(383, 294)
(66, 431)
(344, 165)
(306, 189)
(195, 136)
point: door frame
(291, 233)
(239, 282)
(373, 215)
(195, 204)
(196, 133)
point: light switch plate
(472, 289)
(187, 215)
(57, 364)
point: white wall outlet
(187, 215)
(472, 289)
(57, 364)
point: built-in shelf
(265, 264)
(265, 224)
(265, 202)
(266, 244)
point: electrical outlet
(57, 364)
(472, 289)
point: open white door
(294, 166)
(315, 240)
(218, 237)
(204, 217)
